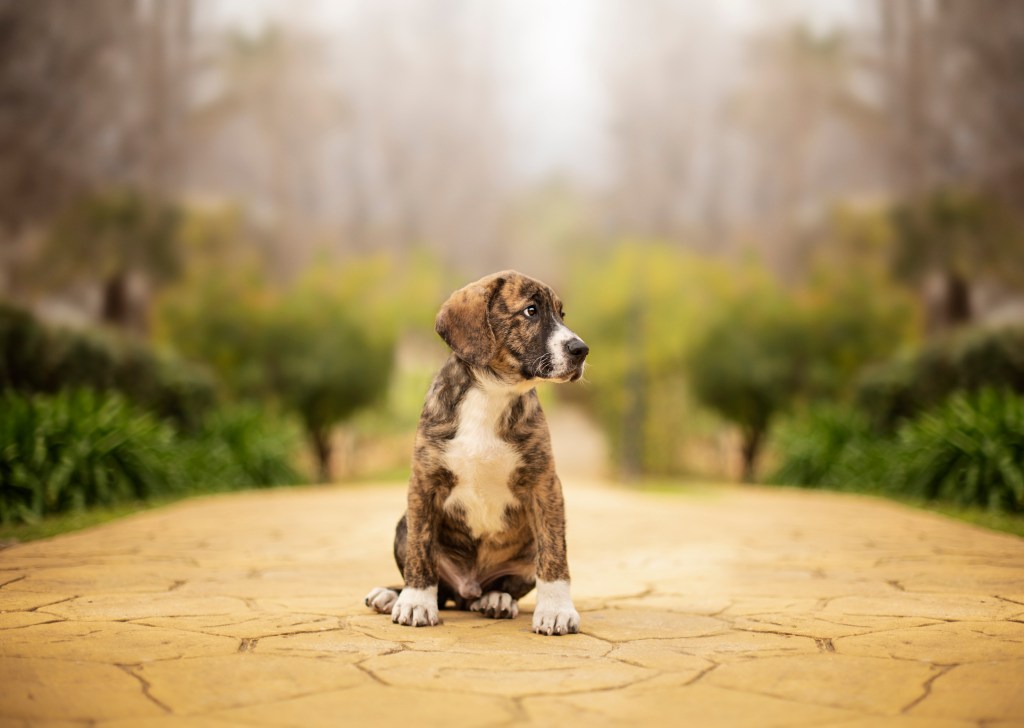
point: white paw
(555, 613)
(416, 607)
(381, 599)
(496, 605)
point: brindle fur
(492, 342)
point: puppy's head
(514, 325)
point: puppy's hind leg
(500, 599)
(496, 605)
(382, 599)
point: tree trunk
(115, 300)
(635, 412)
(322, 447)
(957, 299)
(751, 447)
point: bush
(822, 447)
(79, 449)
(904, 387)
(39, 358)
(83, 448)
(322, 349)
(240, 447)
(969, 451)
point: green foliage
(640, 306)
(239, 446)
(970, 360)
(81, 448)
(969, 451)
(833, 446)
(110, 233)
(39, 358)
(956, 230)
(667, 327)
(322, 348)
(751, 361)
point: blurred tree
(93, 94)
(807, 132)
(109, 238)
(662, 108)
(324, 363)
(59, 116)
(654, 301)
(962, 238)
(92, 98)
(949, 81)
(323, 348)
(949, 75)
(262, 129)
(751, 364)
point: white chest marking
(482, 462)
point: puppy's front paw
(416, 608)
(556, 620)
(555, 613)
(496, 605)
(381, 599)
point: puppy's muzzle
(577, 350)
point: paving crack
(146, 688)
(371, 674)
(52, 604)
(700, 675)
(926, 688)
(178, 583)
(34, 624)
(588, 691)
(895, 584)
(1002, 599)
(11, 581)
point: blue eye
(530, 311)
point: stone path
(723, 607)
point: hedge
(38, 358)
(82, 448)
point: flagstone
(725, 607)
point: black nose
(577, 349)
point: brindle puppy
(485, 520)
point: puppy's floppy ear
(464, 322)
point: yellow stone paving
(722, 607)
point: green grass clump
(81, 449)
(968, 451)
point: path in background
(579, 446)
(722, 607)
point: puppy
(485, 521)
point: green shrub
(820, 448)
(969, 451)
(38, 358)
(240, 447)
(82, 448)
(22, 347)
(79, 449)
(971, 360)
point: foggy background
(658, 162)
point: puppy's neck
(496, 385)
